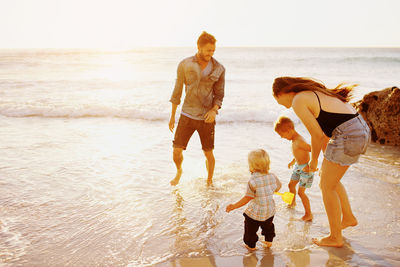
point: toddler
(261, 209)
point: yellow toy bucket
(286, 197)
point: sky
(124, 24)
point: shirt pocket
(214, 76)
(191, 76)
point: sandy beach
(85, 162)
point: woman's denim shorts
(349, 140)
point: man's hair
(206, 38)
(283, 124)
(259, 161)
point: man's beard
(202, 57)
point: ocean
(86, 160)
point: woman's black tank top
(328, 121)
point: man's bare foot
(266, 244)
(175, 181)
(349, 222)
(328, 242)
(249, 248)
(307, 217)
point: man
(204, 79)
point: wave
(372, 59)
(76, 112)
(347, 59)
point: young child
(301, 152)
(261, 210)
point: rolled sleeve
(180, 78)
(219, 90)
(275, 182)
(250, 192)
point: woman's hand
(312, 166)
(290, 165)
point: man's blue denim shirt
(201, 93)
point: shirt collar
(196, 60)
(257, 174)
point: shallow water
(96, 192)
(85, 162)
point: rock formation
(381, 110)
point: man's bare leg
(178, 159)
(210, 164)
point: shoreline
(351, 254)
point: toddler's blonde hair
(259, 161)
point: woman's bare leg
(348, 218)
(331, 173)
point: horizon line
(168, 46)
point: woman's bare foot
(266, 244)
(349, 222)
(307, 217)
(175, 181)
(293, 205)
(249, 248)
(328, 242)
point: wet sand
(352, 254)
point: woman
(336, 129)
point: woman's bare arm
(301, 106)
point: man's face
(206, 51)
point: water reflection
(339, 256)
(354, 255)
(299, 258)
(188, 239)
(251, 260)
(178, 223)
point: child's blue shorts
(305, 178)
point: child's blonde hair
(283, 124)
(259, 161)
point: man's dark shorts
(186, 128)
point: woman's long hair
(298, 84)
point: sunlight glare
(117, 68)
